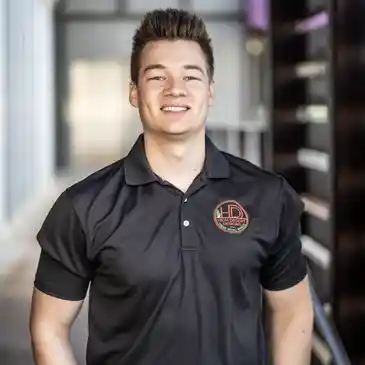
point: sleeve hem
(46, 290)
(53, 278)
(287, 284)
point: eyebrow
(194, 67)
(159, 66)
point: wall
(2, 112)
(28, 121)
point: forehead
(172, 53)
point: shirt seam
(83, 228)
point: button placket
(187, 236)
(185, 222)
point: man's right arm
(61, 282)
(50, 323)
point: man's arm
(291, 324)
(284, 278)
(50, 323)
(61, 282)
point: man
(176, 240)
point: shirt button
(186, 223)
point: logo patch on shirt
(229, 216)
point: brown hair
(170, 24)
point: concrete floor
(15, 298)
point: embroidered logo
(230, 217)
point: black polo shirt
(175, 279)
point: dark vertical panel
(348, 134)
(61, 82)
(340, 44)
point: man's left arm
(291, 324)
(285, 282)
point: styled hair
(170, 24)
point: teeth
(174, 108)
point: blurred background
(290, 98)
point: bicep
(289, 299)
(49, 313)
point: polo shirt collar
(139, 172)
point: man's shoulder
(103, 181)
(242, 169)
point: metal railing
(327, 329)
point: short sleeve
(63, 269)
(286, 265)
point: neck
(176, 161)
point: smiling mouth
(175, 108)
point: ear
(211, 93)
(133, 94)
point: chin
(178, 133)
(174, 128)
(172, 133)
(181, 128)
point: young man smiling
(178, 239)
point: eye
(190, 78)
(157, 78)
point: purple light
(317, 21)
(257, 11)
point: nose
(175, 87)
